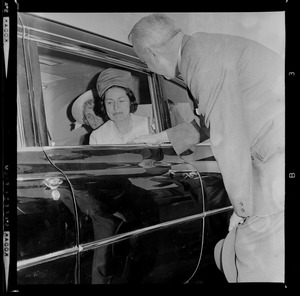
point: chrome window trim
(76, 40)
(29, 79)
(153, 95)
(91, 53)
(158, 102)
(114, 239)
(20, 125)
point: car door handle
(52, 182)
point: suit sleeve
(230, 140)
(185, 135)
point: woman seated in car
(118, 104)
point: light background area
(268, 28)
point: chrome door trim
(119, 237)
(38, 177)
(93, 245)
(153, 95)
(46, 258)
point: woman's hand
(155, 139)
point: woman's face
(117, 104)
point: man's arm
(186, 135)
(182, 136)
(230, 142)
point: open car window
(64, 78)
(179, 105)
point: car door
(138, 207)
(46, 235)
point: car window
(66, 76)
(179, 105)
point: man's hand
(155, 139)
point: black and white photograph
(149, 148)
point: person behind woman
(117, 105)
(85, 121)
(89, 117)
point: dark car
(107, 214)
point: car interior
(64, 77)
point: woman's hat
(114, 77)
(77, 107)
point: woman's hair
(100, 109)
(153, 30)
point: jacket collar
(181, 47)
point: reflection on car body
(91, 214)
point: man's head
(89, 116)
(83, 110)
(156, 41)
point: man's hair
(153, 30)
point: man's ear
(152, 53)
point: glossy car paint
(127, 189)
(45, 225)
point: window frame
(35, 75)
(33, 90)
